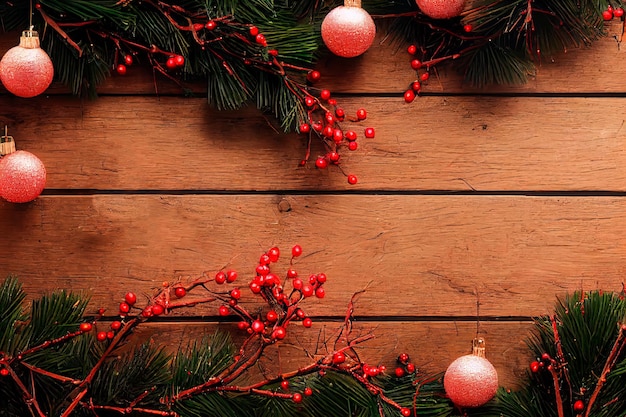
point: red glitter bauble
(441, 9)
(470, 381)
(348, 31)
(22, 177)
(26, 70)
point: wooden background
(507, 197)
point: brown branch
(29, 399)
(60, 31)
(51, 374)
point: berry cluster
(548, 364)
(609, 13)
(323, 119)
(405, 366)
(422, 75)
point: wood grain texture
(432, 346)
(414, 255)
(438, 143)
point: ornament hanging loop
(478, 347)
(7, 144)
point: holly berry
(321, 162)
(300, 313)
(171, 63)
(467, 28)
(307, 290)
(130, 298)
(352, 179)
(85, 327)
(308, 391)
(235, 293)
(198, 27)
(271, 316)
(409, 96)
(292, 273)
(110, 334)
(416, 86)
(180, 292)
(220, 277)
(273, 52)
(304, 128)
(116, 325)
(325, 94)
(579, 406)
(337, 135)
(416, 64)
(399, 372)
(412, 49)
(340, 113)
(258, 326)
(4, 372)
(279, 333)
(224, 311)
(370, 133)
(124, 308)
(361, 114)
(296, 251)
(307, 322)
(297, 398)
(403, 358)
(410, 368)
(254, 30)
(424, 76)
(121, 69)
(406, 412)
(274, 254)
(313, 76)
(210, 25)
(147, 312)
(333, 156)
(243, 325)
(284, 384)
(535, 367)
(328, 131)
(157, 309)
(320, 292)
(351, 135)
(619, 12)
(607, 14)
(128, 59)
(101, 336)
(321, 277)
(309, 101)
(260, 39)
(339, 357)
(179, 60)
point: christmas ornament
(348, 30)
(26, 70)
(471, 380)
(441, 9)
(22, 174)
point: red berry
(403, 358)
(370, 133)
(180, 292)
(4, 372)
(224, 311)
(121, 69)
(416, 64)
(406, 412)
(416, 86)
(304, 128)
(340, 113)
(409, 96)
(307, 322)
(351, 135)
(328, 131)
(308, 391)
(352, 179)
(309, 101)
(284, 384)
(171, 63)
(157, 309)
(297, 398)
(424, 76)
(318, 127)
(179, 60)
(332, 101)
(361, 114)
(271, 316)
(254, 30)
(339, 357)
(110, 334)
(262, 270)
(300, 313)
(410, 368)
(264, 259)
(296, 251)
(607, 14)
(321, 277)
(321, 162)
(116, 325)
(307, 290)
(273, 52)
(320, 292)
(313, 76)
(399, 372)
(619, 12)
(124, 308)
(545, 356)
(353, 146)
(534, 366)
(210, 25)
(579, 405)
(235, 293)
(243, 325)
(333, 156)
(101, 336)
(297, 284)
(467, 28)
(198, 27)
(412, 49)
(130, 298)
(292, 273)
(85, 327)
(337, 135)
(128, 59)
(279, 333)
(274, 254)
(325, 94)
(220, 277)
(260, 39)
(147, 312)
(258, 326)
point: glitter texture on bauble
(22, 177)
(26, 70)
(441, 9)
(471, 380)
(348, 30)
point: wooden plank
(385, 68)
(415, 255)
(432, 346)
(438, 143)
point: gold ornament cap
(30, 39)
(478, 347)
(352, 3)
(7, 144)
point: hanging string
(30, 16)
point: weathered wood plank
(439, 143)
(414, 255)
(432, 346)
(385, 68)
